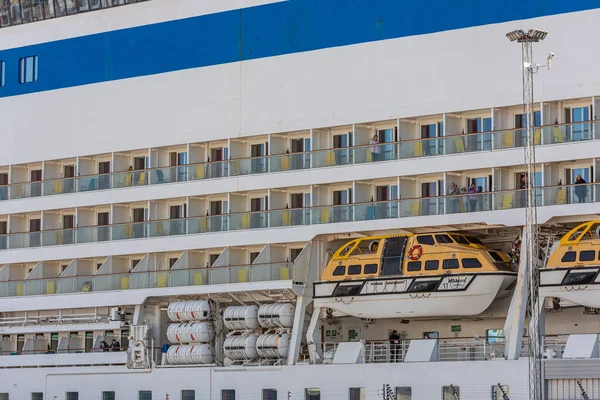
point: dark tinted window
(495, 256)
(474, 240)
(109, 396)
(427, 239)
(354, 269)
(339, 270)
(227, 394)
(414, 266)
(37, 396)
(188, 395)
(459, 239)
(587, 255)
(371, 269)
(471, 263)
(450, 264)
(432, 265)
(443, 239)
(72, 396)
(569, 256)
(269, 394)
(145, 395)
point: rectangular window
(450, 392)
(354, 269)
(28, 69)
(450, 264)
(145, 395)
(37, 396)
(413, 266)
(312, 394)
(72, 396)
(471, 263)
(357, 394)
(108, 395)
(587, 255)
(227, 394)
(569, 256)
(269, 394)
(432, 265)
(3, 396)
(1, 73)
(404, 393)
(188, 395)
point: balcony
(331, 157)
(156, 279)
(410, 207)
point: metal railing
(406, 149)
(153, 279)
(411, 207)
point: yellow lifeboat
(425, 275)
(572, 272)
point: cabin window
(188, 395)
(28, 69)
(347, 249)
(371, 269)
(109, 396)
(500, 392)
(354, 269)
(4, 396)
(312, 394)
(432, 265)
(72, 396)
(427, 239)
(471, 263)
(227, 394)
(357, 393)
(269, 394)
(450, 392)
(403, 393)
(569, 256)
(37, 396)
(460, 239)
(413, 266)
(443, 239)
(366, 247)
(450, 264)
(474, 240)
(587, 255)
(339, 270)
(496, 256)
(145, 395)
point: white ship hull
(432, 296)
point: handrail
(193, 218)
(185, 167)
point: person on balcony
(473, 197)
(581, 189)
(115, 346)
(453, 190)
(375, 149)
(394, 346)
(104, 346)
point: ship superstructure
(293, 199)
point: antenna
(530, 246)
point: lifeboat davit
(572, 272)
(413, 276)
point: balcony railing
(454, 144)
(442, 205)
(154, 279)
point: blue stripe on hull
(258, 32)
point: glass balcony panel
(4, 192)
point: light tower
(529, 245)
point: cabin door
(393, 251)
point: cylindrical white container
(241, 347)
(194, 310)
(273, 346)
(278, 315)
(190, 332)
(190, 354)
(238, 318)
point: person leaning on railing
(394, 346)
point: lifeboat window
(587, 255)
(371, 269)
(354, 269)
(569, 256)
(460, 239)
(432, 265)
(366, 247)
(443, 239)
(471, 263)
(413, 266)
(474, 240)
(403, 393)
(347, 290)
(450, 264)
(427, 239)
(496, 256)
(339, 270)
(347, 249)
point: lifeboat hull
(578, 285)
(415, 297)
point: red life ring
(415, 252)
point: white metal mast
(529, 248)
